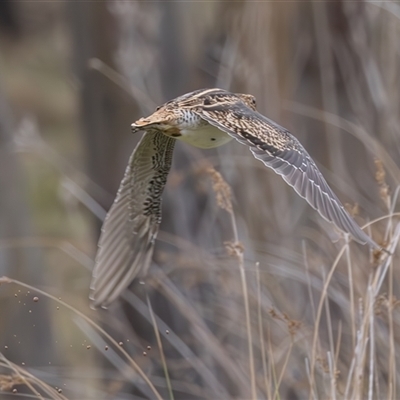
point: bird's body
(181, 118)
(205, 118)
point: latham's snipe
(203, 118)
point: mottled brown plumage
(131, 226)
(205, 118)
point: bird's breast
(204, 136)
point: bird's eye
(158, 108)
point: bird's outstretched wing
(278, 149)
(130, 228)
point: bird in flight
(204, 118)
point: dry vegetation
(251, 295)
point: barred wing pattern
(131, 226)
(278, 149)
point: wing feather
(281, 151)
(127, 237)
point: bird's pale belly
(204, 137)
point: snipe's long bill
(204, 118)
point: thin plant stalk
(289, 352)
(371, 345)
(223, 197)
(160, 346)
(246, 310)
(260, 327)
(318, 318)
(351, 293)
(332, 375)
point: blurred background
(299, 316)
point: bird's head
(159, 119)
